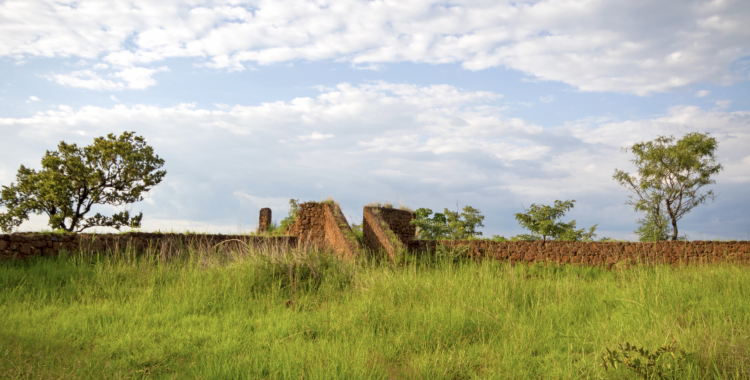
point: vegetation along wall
(21, 245)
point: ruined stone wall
(398, 221)
(322, 224)
(22, 245)
(339, 235)
(596, 253)
(309, 227)
(378, 235)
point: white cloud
(594, 46)
(547, 99)
(33, 98)
(311, 137)
(86, 79)
(138, 77)
(702, 93)
(114, 98)
(723, 104)
(132, 78)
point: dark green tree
(669, 179)
(542, 222)
(114, 170)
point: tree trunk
(674, 220)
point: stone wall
(21, 245)
(339, 235)
(596, 253)
(387, 230)
(322, 224)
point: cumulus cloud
(132, 78)
(33, 98)
(594, 46)
(702, 93)
(430, 145)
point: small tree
(111, 171)
(541, 221)
(670, 176)
(448, 224)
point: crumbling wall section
(24, 245)
(381, 236)
(605, 254)
(339, 235)
(323, 224)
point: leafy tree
(112, 171)
(654, 227)
(448, 224)
(291, 218)
(541, 221)
(669, 178)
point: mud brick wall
(322, 224)
(597, 254)
(24, 245)
(387, 230)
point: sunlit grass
(301, 313)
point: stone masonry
(264, 221)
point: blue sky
(496, 105)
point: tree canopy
(448, 224)
(670, 175)
(114, 170)
(542, 222)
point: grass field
(302, 314)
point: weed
(643, 362)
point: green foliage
(449, 224)
(669, 178)
(644, 363)
(358, 233)
(112, 171)
(520, 237)
(291, 217)
(525, 237)
(541, 221)
(654, 227)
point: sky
(493, 104)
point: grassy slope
(259, 317)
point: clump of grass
(380, 204)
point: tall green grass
(301, 313)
